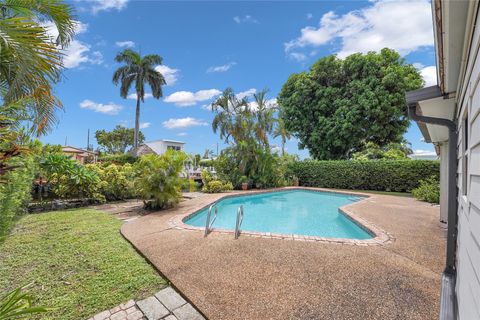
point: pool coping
(380, 237)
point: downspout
(452, 182)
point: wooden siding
(468, 253)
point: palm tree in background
(30, 62)
(282, 132)
(138, 71)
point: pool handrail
(239, 221)
(208, 224)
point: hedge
(119, 159)
(380, 175)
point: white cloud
(133, 96)
(207, 107)
(183, 123)
(400, 25)
(78, 52)
(270, 103)
(245, 19)
(109, 108)
(182, 134)
(247, 93)
(298, 56)
(145, 125)
(187, 98)
(222, 68)
(101, 5)
(429, 74)
(125, 44)
(170, 74)
(309, 16)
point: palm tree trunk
(283, 146)
(137, 126)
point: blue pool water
(300, 212)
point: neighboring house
(159, 147)
(81, 155)
(449, 116)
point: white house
(449, 116)
(160, 146)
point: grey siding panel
(468, 253)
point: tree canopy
(338, 106)
(117, 140)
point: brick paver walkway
(166, 304)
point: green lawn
(388, 193)
(78, 262)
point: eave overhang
(431, 102)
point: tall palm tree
(281, 131)
(138, 71)
(29, 60)
(242, 121)
(264, 115)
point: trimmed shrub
(398, 175)
(116, 181)
(118, 159)
(429, 190)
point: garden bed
(77, 261)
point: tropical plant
(428, 190)
(69, 179)
(158, 179)
(138, 71)
(391, 151)
(18, 304)
(116, 181)
(239, 121)
(29, 60)
(282, 132)
(117, 140)
(339, 105)
(213, 185)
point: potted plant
(296, 182)
(244, 182)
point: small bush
(385, 175)
(189, 185)
(211, 185)
(429, 190)
(158, 179)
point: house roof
(76, 150)
(156, 146)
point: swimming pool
(302, 212)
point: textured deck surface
(259, 278)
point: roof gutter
(448, 301)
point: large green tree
(117, 140)
(338, 106)
(138, 71)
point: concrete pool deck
(267, 278)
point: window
(176, 148)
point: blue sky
(209, 46)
